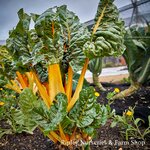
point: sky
(85, 9)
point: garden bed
(107, 138)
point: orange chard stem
(21, 80)
(25, 79)
(69, 84)
(73, 134)
(55, 81)
(79, 86)
(42, 90)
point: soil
(112, 136)
(107, 138)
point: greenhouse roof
(136, 12)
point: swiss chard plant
(9, 113)
(137, 56)
(9, 108)
(106, 38)
(45, 59)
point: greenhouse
(75, 75)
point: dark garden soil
(107, 138)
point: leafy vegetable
(9, 112)
(84, 108)
(61, 38)
(74, 36)
(45, 59)
(108, 32)
(49, 49)
(36, 111)
(17, 43)
(87, 113)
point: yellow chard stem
(79, 86)
(81, 79)
(13, 86)
(30, 79)
(55, 81)
(57, 137)
(69, 84)
(52, 138)
(62, 135)
(42, 90)
(55, 87)
(32, 84)
(52, 135)
(21, 80)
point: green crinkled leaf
(108, 39)
(100, 119)
(24, 123)
(49, 30)
(66, 122)
(37, 112)
(89, 130)
(17, 43)
(104, 115)
(74, 35)
(65, 45)
(58, 111)
(4, 54)
(84, 111)
(68, 125)
(27, 100)
(57, 37)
